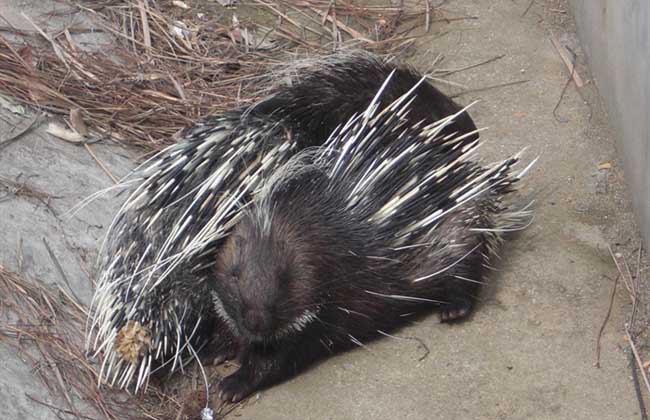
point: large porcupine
(153, 306)
(387, 218)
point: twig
(635, 290)
(14, 52)
(517, 82)
(637, 387)
(636, 287)
(68, 38)
(179, 87)
(19, 254)
(327, 12)
(559, 118)
(528, 8)
(627, 284)
(146, 33)
(638, 359)
(74, 301)
(53, 407)
(419, 341)
(427, 19)
(33, 124)
(64, 389)
(602, 327)
(455, 19)
(60, 269)
(310, 18)
(352, 32)
(60, 52)
(288, 19)
(567, 61)
(442, 72)
(25, 190)
(336, 35)
(101, 165)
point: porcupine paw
(236, 387)
(455, 311)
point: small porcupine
(387, 218)
(152, 306)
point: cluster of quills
(153, 307)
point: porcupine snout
(257, 321)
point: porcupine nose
(257, 321)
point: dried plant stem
(602, 326)
(639, 362)
(101, 165)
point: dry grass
(170, 67)
(44, 325)
(50, 321)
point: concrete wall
(616, 37)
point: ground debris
(45, 325)
(172, 64)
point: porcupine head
(267, 281)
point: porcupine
(385, 219)
(152, 306)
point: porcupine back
(325, 93)
(186, 199)
(392, 217)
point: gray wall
(616, 37)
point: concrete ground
(529, 350)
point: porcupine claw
(236, 387)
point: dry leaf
(180, 4)
(64, 134)
(77, 122)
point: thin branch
(602, 327)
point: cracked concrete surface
(529, 350)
